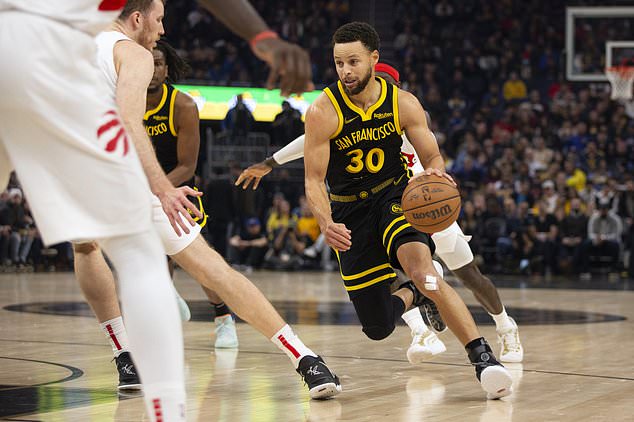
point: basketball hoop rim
(623, 71)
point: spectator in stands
(470, 174)
(573, 231)
(604, 240)
(575, 177)
(239, 121)
(247, 248)
(542, 155)
(514, 88)
(306, 233)
(287, 125)
(550, 196)
(607, 195)
(494, 100)
(508, 244)
(280, 228)
(17, 221)
(542, 232)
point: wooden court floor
(55, 364)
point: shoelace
(510, 341)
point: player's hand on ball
(338, 236)
(437, 172)
(176, 205)
(254, 174)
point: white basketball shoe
(509, 339)
(425, 346)
(226, 335)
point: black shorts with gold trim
(378, 229)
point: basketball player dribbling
(60, 131)
(452, 248)
(353, 142)
(127, 64)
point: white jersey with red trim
(407, 149)
(90, 16)
(106, 41)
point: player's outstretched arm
(414, 123)
(254, 173)
(289, 63)
(135, 67)
(321, 123)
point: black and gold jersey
(159, 124)
(160, 127)
(365, 151)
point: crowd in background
(545, 167)
(219, 57)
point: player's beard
(361, 85)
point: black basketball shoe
(321, 381)
(128, 377)
(493, 376)
(432, 316)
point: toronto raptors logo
(112, 133)
(410, 159)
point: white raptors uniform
(58, 125)
(451, 244)
(172, 243)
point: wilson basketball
(431, 203)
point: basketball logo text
(434, 214)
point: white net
(621, 79)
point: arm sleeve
(292, 151)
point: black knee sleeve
(378, 332)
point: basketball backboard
(596, 38)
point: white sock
(414, 320)
(288, 342)
(115, 331)
(152, 321)
(502, 320)
(168, 403)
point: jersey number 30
(373, 160)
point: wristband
(262, 36)
(270, 161)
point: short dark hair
(177, 67)
(357, 31)
(136, 6)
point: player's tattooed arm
(321, 123)
(413, 121)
